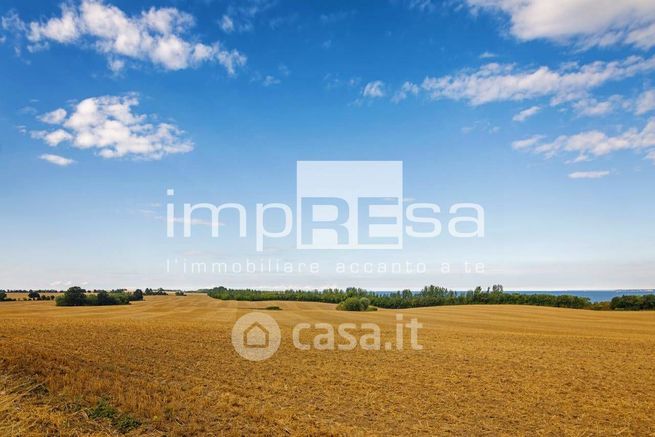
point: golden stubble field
(169, 362)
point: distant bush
(137, 295)
(75, 296)
(180, 293)
(158, 292)
(600, 306)
(354, 304)
(72, 297)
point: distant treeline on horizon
(432, 295)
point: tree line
(77, 296)
(430, 295)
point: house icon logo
(256, 336)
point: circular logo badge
(256, 336)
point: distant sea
(593, 295)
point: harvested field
(168, 362)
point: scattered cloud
(109, 125)
(424, 5)
(56, 160)
(335, 17)
(481, 126)
(227, 24)
(594, 143)
(373, 90)
(487, 55)
(592, 107)
(334, 81)
(528, 142)
(54, 117)
(270, 80)
(52, 138)
(586, 23)
(406, 89)
(526, 113)
(27, 110)
(589, 174)
(240, 15)
(495, 82)
(645, 102)
(158, 35)
(266, 80)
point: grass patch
(122, 422)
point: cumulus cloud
(586, 23)
(109, 125)
(592, 107)
(56, 160)
(374, 89)
(645, 102)
(526, 113)
(594, 143)
(496, 82)
(54, 117)
(158, 35)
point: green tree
(137, 295)
(74, 296)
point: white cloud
(589, 174)
(483, 126)
(591, 107)
(240, 15)
(374, 89)
(584, 22)
(157, 35)
(57, 160)
(54, 117)
(527, 143)
(406, 89)
(56, 137)
(594, 143)
(270, 80)
(487, 55)
(526, 113)
(645, 102)
(108, 124)
(227, 24)
(496, 82)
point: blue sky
(543, 113)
